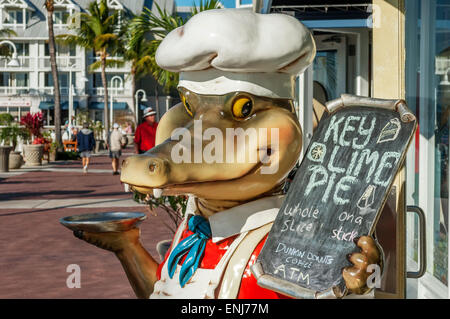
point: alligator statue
(236, 69)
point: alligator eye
(186, 105)
(242, 107)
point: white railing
(111, 91)
(14, 90)
(25, 62)
(61, 61)
(124, 67)
(50, 90)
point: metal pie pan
(104, 222)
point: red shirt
(249, 289)
(145, 136)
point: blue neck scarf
(193, 245)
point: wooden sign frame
(264, 273)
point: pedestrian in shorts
(86, 144)
(115, 144)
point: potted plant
(33, 153)
(10, 135)
(4, 150)
(54, 146)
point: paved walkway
(36, 249)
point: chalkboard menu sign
(336, 196)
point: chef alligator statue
(236, 74)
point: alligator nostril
(124, 163)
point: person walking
(144, 138)
(115, 144)
(86, 143)
(128, 129)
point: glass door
(428, 93)
(330, 65)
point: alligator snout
(145, 171)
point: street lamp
(136, 97)
(14, 61)
(116, 77)
(71, 90)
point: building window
(99, 84)
(62, 50)
(23, 49)
(21, 79)
(63, 79)
(4, 79)
(13, 17)
(14, 79)
(60, 18)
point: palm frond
(95, 66)
(158, 25)
(6, 33)
(5, 51)
(69, 39)
(203, 6)
(114, 63)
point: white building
(29, 86)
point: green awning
(50, 105)
(101, 105)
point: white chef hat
(228, 50)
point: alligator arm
(138, 264)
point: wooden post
(389, 83)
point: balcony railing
(50, 90)
(124, 67)
(25, 62)
(111, 91)
(15, 90)
(61, 61)
(43, 62)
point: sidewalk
(36, 249)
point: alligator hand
(112, 241)
(139, 266)
(356, 277)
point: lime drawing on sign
(390, 131)
(317, 152)
(367, 200)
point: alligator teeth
(126, 188)
(157, 192)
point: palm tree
(98, 31)
(49, 5)
(139, 52)
(159, 25)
